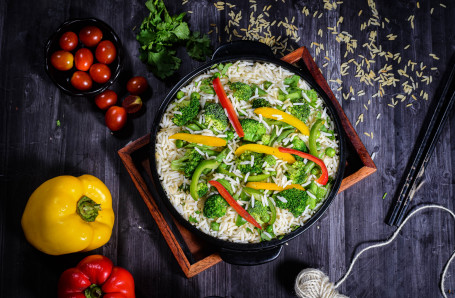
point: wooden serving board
(192, 254)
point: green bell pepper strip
(254, 178)
(272, 211)
(257, 178)
(210, 164)
(283, 135)
(314, 135)
(225, 184)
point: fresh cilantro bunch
(161, 33)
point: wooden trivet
(194, 255)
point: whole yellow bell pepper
(69, 214)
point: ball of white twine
(313, 283)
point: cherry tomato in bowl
(137, 85)
(90, 36)
(106, 52)
(100, 73)
(115, 118)
(62, 60)
(83, 59)
(106, 99)
(81, 80)
(68, 41)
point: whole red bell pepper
(96, 276)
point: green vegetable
(257, 178)
(188, 163)
(254, 130)
(314, 135)
(259, 212)
(202, 189)
(255, 87)
(330, 152)
(240, 221)
(272, 211)
(180, 94)
(215, 116)
(229, 135)
(188, 109)
(179, 143)
(270, 160)
(215, 206)
(159, 36)
(192, 219)
(315, 171)
(300, 111)
(285, 133)
(296, 201)
(225, 68)
(206, 86)
(292, 81)
(215, 226)
(296, 172)
(267, 85)
(260, 103)
(241, 90)
(193, 126)
(265, 139)
(246, 167)
(226, 184)
(253, 192)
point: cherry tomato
(81, 80)
(106, 52)
(132, 104)
(90, 36)
(68, 41)
(62, 60)
(106, 99)
(137, 85)
(100, 73)
(115, 118)
(83, 59)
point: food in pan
(247, 152)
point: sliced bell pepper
(69, 214)
(276, 114)
(227, 105)
(314, 134)
(272, 186)
(267, 150)
(233, 203)
(324, 175)
(96, 276)
(199, 139)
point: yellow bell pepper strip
(276, 114)
(324, 178)
(227, 106)
(233, 203)
(199, 139)
(267, 150)
(69, 214)
(272, 186)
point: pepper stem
(94, 291)
(87, 209)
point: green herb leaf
(198, 46)
(192, 219)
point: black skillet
(247, 253)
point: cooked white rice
(166, 152)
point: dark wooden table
(34, 148)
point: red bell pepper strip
(324, 178)
(96, 276)
(227, 105)
(233, 203)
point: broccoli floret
(241, 90)
(260, 103)
(296, 172)
(266, 139)
(300, 111)
(246, 167)
(188, 163)
(215, 115)
(215, 206)
(295, 200)
(229, 135)
(259, 212)
(312, 95)
(202, 189)
(188, 109)
(271, 161)
(254, 130)
(300, 145)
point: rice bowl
(166, 151)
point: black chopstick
(422, 152)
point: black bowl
(62, 78)
(248, 253)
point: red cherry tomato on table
(137, 85)
(115, 118)
(106, 52)
(83, 59)
(106, 99)
(100, 73)
(62, 60)
(68, 41)
(90, 36)
(81, 80)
